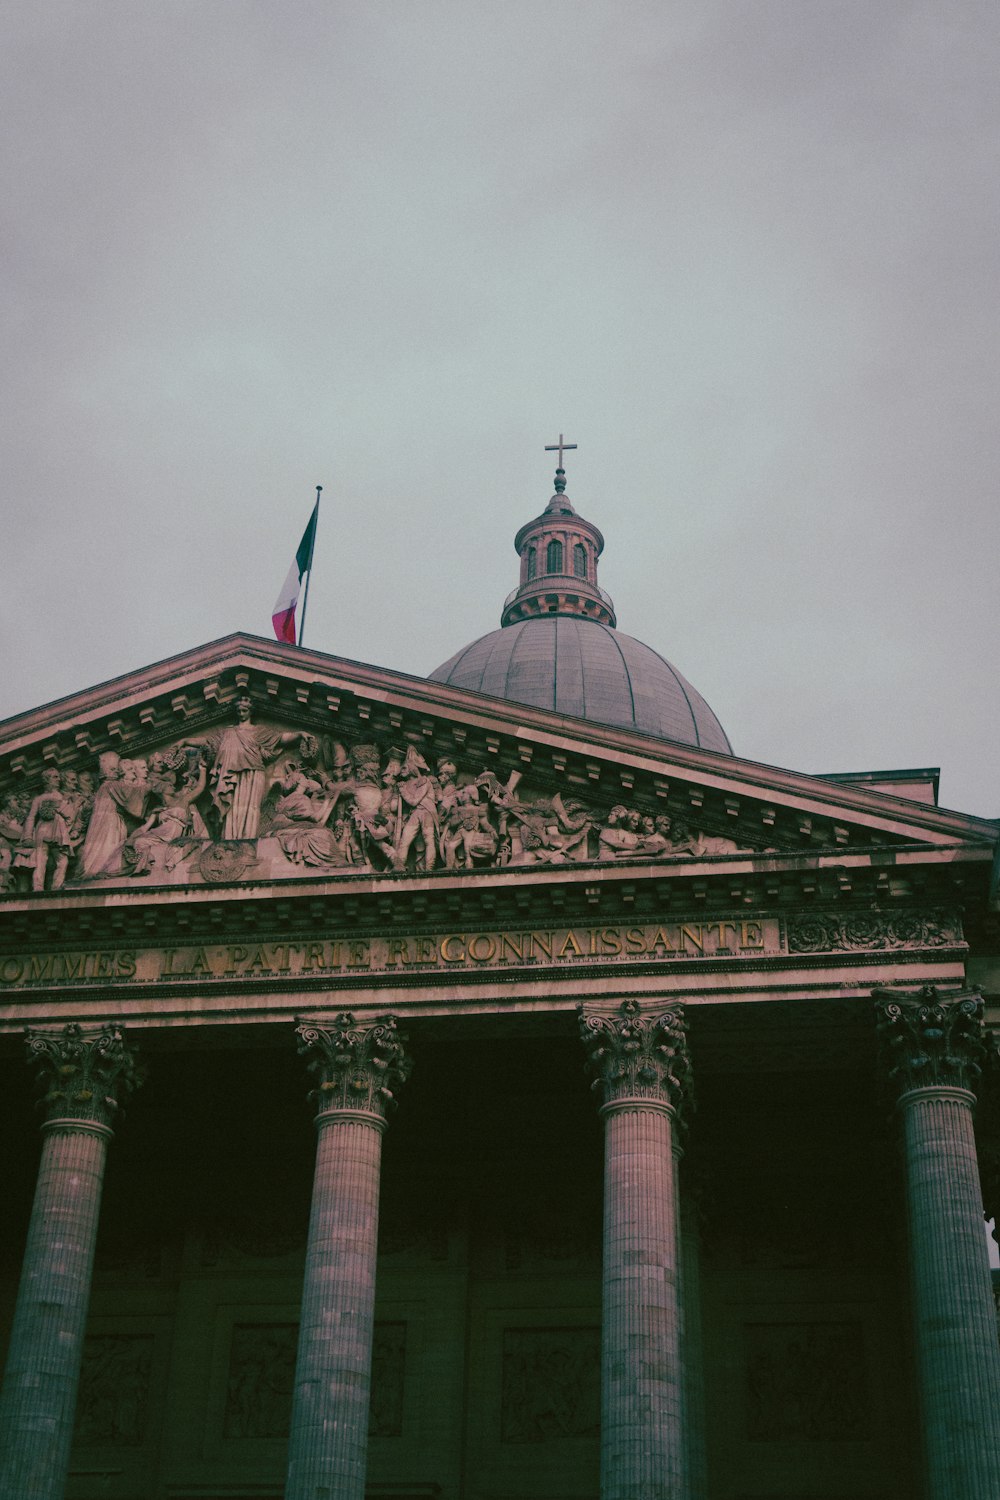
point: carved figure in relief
(233, 798)
(462, 819)
(158, 843)
(619, 838)
(12, 815)
(548, 832)
(361, 799)
(299, 819)
(418, 793)
(46, 835)
(115, 802)
(656, 837)
(697, 844)
(241, 752)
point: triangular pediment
(248, 760)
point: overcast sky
(744, 253)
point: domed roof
(558, 648)
(583, 667)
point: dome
(583, 667)
(558, 646)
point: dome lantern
(559, 552)
(558, 648)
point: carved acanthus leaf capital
(83, 1075)
(638, 1057)
(359, 1066)
(931, 1040)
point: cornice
(197, 690)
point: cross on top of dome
(559, 552)
(560, 471)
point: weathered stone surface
(358, 1067)
(933, 1047)
(643, 1074)
(82, 1077)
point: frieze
(860, 931)
(248, 801)
(261, 1379)
(551, 1384)
(806, 1382)
(450, 953)
(113, 1402)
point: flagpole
(309, 574)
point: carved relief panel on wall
(113, 1403)
(261, 1380)
(551, 1384)
(253, 801)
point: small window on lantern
(580, 560)
(532, 562)
(554, 558)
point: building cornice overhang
(198, 688)
(904, 877)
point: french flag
(283, 614)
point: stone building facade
(486, 1087)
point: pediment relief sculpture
(252, 801)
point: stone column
(358, 1067)
(643, 1075)
(691, 1349)
(83, 1077)
(934, 1051)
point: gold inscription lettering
(721, 929)
(540, 940)
(398, 951)
(611, 940)
(491, 947)
(692, 933)
(446, 946)
(751, 935)
(200, 964)
(11, 970)
(40, 968)
(313, 958)
(126, 965)
(635, 940)
(360, 954)
(515, 942)
(660, 940)
(426, 952)
(570, 942)
(258, 962)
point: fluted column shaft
(38, 1402)
(934, 1048)
(83, 1075)
(642, 1072)
(691, 1350)
(328, 1444)
(958, 1356)
(641, 1396)
(329, 1434)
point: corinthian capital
(83, 1075)
(358, 1066)
(636, 1057)
(929, 1039)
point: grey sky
(745, 254)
